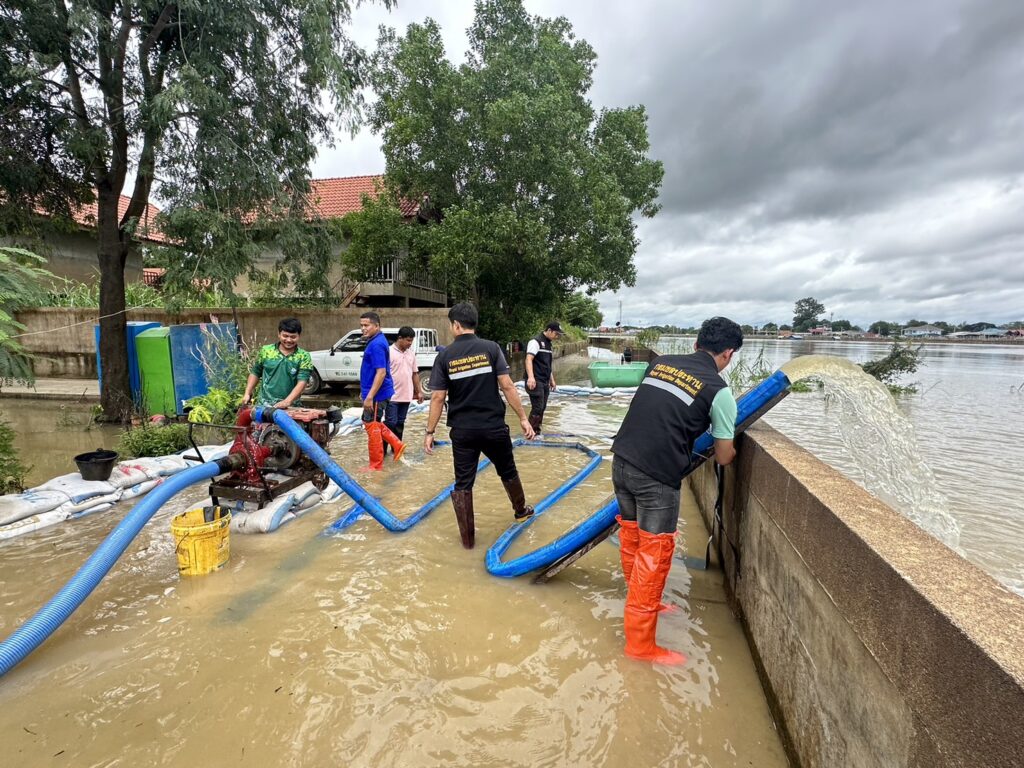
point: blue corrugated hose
(33, 632)
(749, 408)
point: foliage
(884, 328)
(21, 284)
(769, 328)
(806, 313)
(153, 440)
(525, 193)
(902, 359)
(743, 373)
(226, 366)
(12, 471)
(648, 337)
(225, 101)
(217, 406)
(581, 310)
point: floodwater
(968, 416)
(375, 649)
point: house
(993, 333)
(394, 284)
(821, 330)
(919, 331)
(72, 254)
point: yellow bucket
(202, 546)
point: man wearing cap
(540, 372)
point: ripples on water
(968, 416)
(370, 648)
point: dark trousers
(654, 505)
(377, 412)
(468, 444)
(395, 417)
(539, 399)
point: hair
(290, 325)
(464, 314)
(405, 332)
(373, 317)
(718, 334)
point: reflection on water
(375, 649)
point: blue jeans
(654, 505)
(394, 416)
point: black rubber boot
(462, 501)
(536, 419)
(514, 488)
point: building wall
(74, 255)
(878, 645)
(63, 343)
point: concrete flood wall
(61, 339)
(878, 645)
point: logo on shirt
(675, 381)
(464, 367)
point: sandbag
(77, 489)
(18, 506)
(33, 523)
(128, 473)
(264, 520)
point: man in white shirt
(405, 374)
(540, 372)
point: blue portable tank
(189, 348)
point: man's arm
(532, 348)
(512, 396)
(417, 391)
(378, 379)
(250, 385)
(437, 397)
(725, 451)
(723, 426)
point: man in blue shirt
(376, 389)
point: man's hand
(553, 385)
(428, 444)
(283, 404)
(531, 383)
(368, 404)
(419, 397)
(528, 432)
(246, 399)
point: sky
(867, 154)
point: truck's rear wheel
(315, 383)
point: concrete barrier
(61, 339)
(878, 645)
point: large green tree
(806, 313)
(526, 192)
(222, 100)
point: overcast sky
(868, 154)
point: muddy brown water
(375, 649)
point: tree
(526, 194)
(223, 100)
(806, 313)
(769, 328)
(883, 328)
(581, 310)
(21, 284)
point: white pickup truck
(340, 364)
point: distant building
(919, 331)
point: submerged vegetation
(903, 358)
(12, 471)
(153, 440)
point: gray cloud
(868, 154)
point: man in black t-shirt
(680, 396)
(540, 372)
(469, 372)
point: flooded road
(374, 649)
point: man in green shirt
(281, 369)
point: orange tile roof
(86, 214)
(334, 197)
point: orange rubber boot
(375, 444)
(629, 539)
(646, 583)
(392, 439)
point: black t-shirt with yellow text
(468, 369)
(670, 410)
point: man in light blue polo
(376, 389)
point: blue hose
(44, 623)
(749, 408)
(321, 458)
